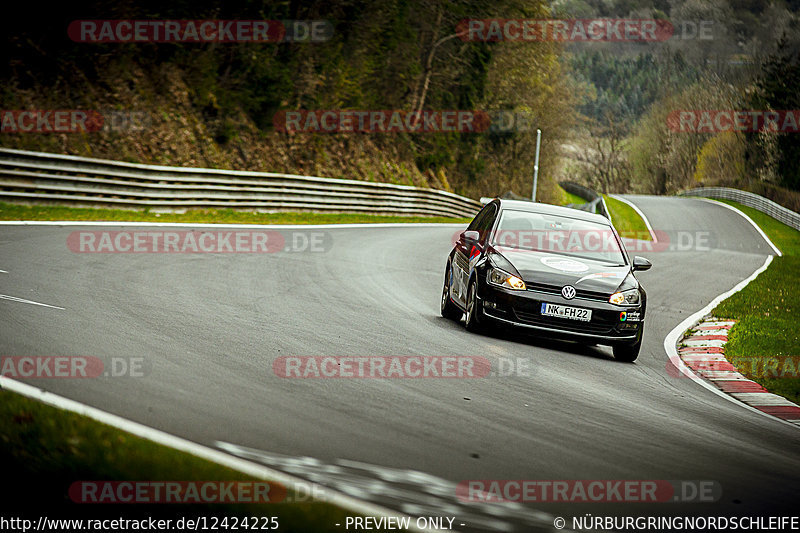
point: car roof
(549, 209)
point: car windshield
(539, 232)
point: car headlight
(629, 297)
(501, 278)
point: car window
(478, 220)
(484, 221)
(488, 221)
(557, 234)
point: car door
(467, 252)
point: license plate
(562, 311)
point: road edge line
(198, 450)
(672, 338)
(638, 212)
(761, 399)
(750, 220)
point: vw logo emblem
(568, 292)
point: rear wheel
(448, 308)
(627, 353)
(474, 312)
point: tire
(447, 307)
(627, 353)
(474, 313)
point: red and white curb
(703, 351)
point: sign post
(536, 163)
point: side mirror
(470, 235)
(640, 263)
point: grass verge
(768, 312)
(44, 450)
(569, 198)
(627, 221)
(204, 216)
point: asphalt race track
(210, 326)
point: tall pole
(536, 163)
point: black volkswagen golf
(557, 271)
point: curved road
(211, 325)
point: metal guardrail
(82, 181)
(765, 205)
(594, 201)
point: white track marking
(763, 399)
(250, 226)
(24, 301)
(638, 212)
(750, 220)
(605, 208)
(204, 452)
(671, 341)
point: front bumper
(523, 309)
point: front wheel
(627, 353)
(474, 312)
(447, 307)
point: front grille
(541, 287)
(579, 293)
(592, 295)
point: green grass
(569, 198)
(44, 450)
(767, 310)
(203, 216)
(627, 221)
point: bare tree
(606, 158)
